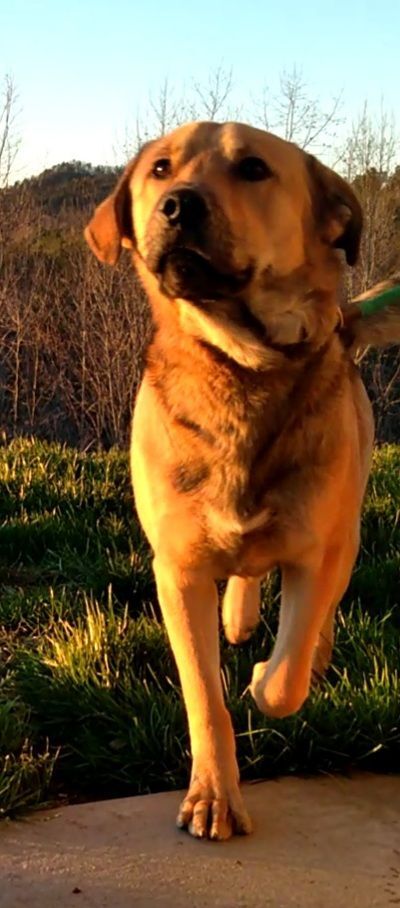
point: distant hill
(57, 200)
(70, 186)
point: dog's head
(236, 226)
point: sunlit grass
(90, 703)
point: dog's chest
(240, 449)
(246, 492)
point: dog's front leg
(281, 685)
(213, 805)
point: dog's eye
(161, 168)
(253, 169)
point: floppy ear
(337, 209)
(111, 226)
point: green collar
(376, 303)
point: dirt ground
(320, 843)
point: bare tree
(166, 109)
(163, 112)
(297, 116)
(72, 338)
(371, 145)
(368, 160)
(211, 100)
(9, 142)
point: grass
(90, 703)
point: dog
(252, 430)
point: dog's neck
(248, 417)
(286, 321)
(248, 370)
(240, 339)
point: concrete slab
(320, 843)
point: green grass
(90, 703)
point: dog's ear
(111, 226)
(337, 210)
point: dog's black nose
(184, 207)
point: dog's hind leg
(241, 608)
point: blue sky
(85, 70)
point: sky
(86, 71)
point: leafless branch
(9, 141)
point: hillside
(72, 184)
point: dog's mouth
(189, 274)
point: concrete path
(318, 843)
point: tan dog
(252, 432)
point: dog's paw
(213, 811)
(275, 692)
(236, 634)
(240, 608)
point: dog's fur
(252, 433)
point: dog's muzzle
(188, 261)
(185, 208)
